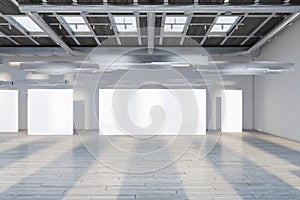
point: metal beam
(160, 8)
(235, 25)
(186, 27)
(161, 35)
(114, 27)
(209, 29)
(138, 26)
(258, 28)
(151, 31)
(66, 27)
(47, 29)
(91, 29)
(274, 32)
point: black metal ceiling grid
(69, 41)
(143, 24)
(129, 41)
(232, 42)
(181, 2)
(251, 41)
(101, 29)
(60, 30)
(271, 2)
(7, 7)
(213, 41)
(120, 2)
(30, 1)
(241, 2)
(158, 21)
(45, 41)
(112, 42)
(171, 41)
(90, 2)
(59, 1)
(5, 42)
(269, 26)
(150, 2)
(294, 2)
(211, 2)
(199, 29)
(87, 41)
(8, 30)
(249, 24)
(24, 41)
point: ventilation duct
(245, 68)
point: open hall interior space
(149, 99)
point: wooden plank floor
(250, 165)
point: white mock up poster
(50, 112)
(137, 112)
(9, 111)
(232, 111)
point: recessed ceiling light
(77, 24)
(126, 24)
(27, 23)
(174, 24)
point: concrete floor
(250, 165)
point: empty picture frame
(50, 112)
(152, 112)
(8, 110)
(232, 111)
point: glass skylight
(27, 23)
(224, 24)
(174, 24)
(77, 24)
(126, 24)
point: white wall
(277, 97)
(86, 106)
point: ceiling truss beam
(186, 28)
(161, 34)
(114, 27)
(83, 15)
(47, 29)
(234, 27)
(160, 8)
(138, 26)
(258, 28)
(66, 27)
(12, 23)
(208, 30)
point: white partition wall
(50, 112)
(8, 110)
(232, 111)
(143, 107)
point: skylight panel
(77, 24)
(174, 24)
(126, 24)
(224, 24)
(27, 23)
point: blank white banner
(8, 110)
(152, 112)
(232, 111)
(50, 112)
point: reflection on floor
(240, 166)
